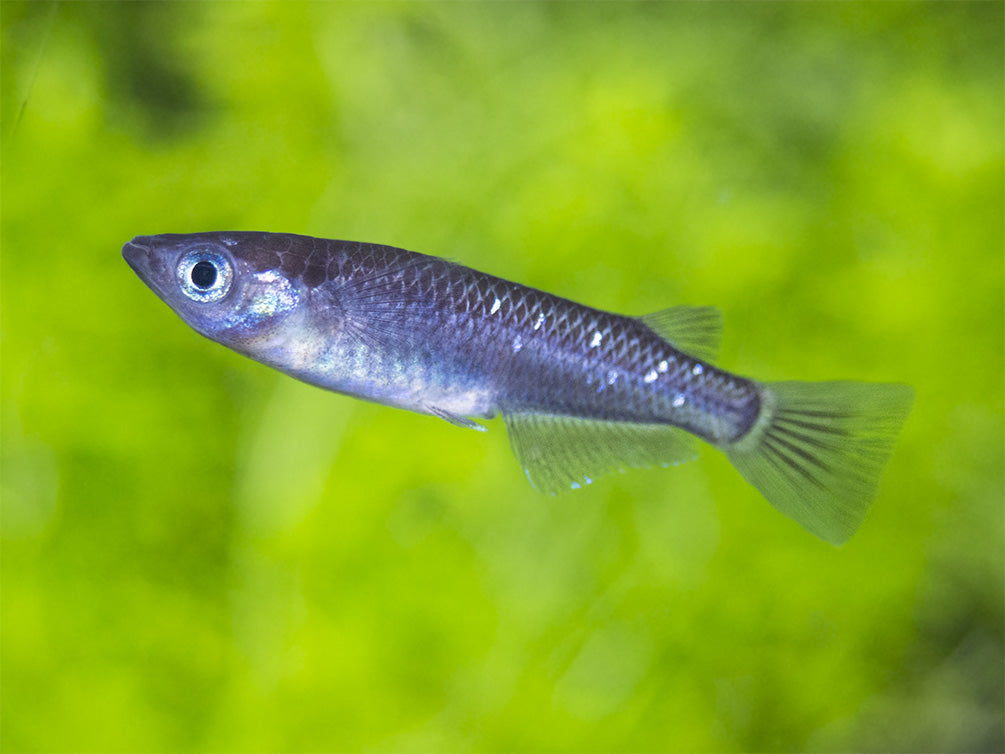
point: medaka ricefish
(583, 392)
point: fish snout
(136, 253)
(143, 256)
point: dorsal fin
(695, 330)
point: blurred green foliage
(201, 554)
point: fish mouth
(139, 255)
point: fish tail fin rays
(817, 450)
(560, 453)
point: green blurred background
(201, 554)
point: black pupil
(204, 274)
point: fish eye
(204, 275)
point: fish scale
(583, 392)
(555, 369)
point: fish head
(229, 287)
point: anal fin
(559, 453)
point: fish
(582, 392)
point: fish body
(583, 391)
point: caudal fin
(818, 449)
